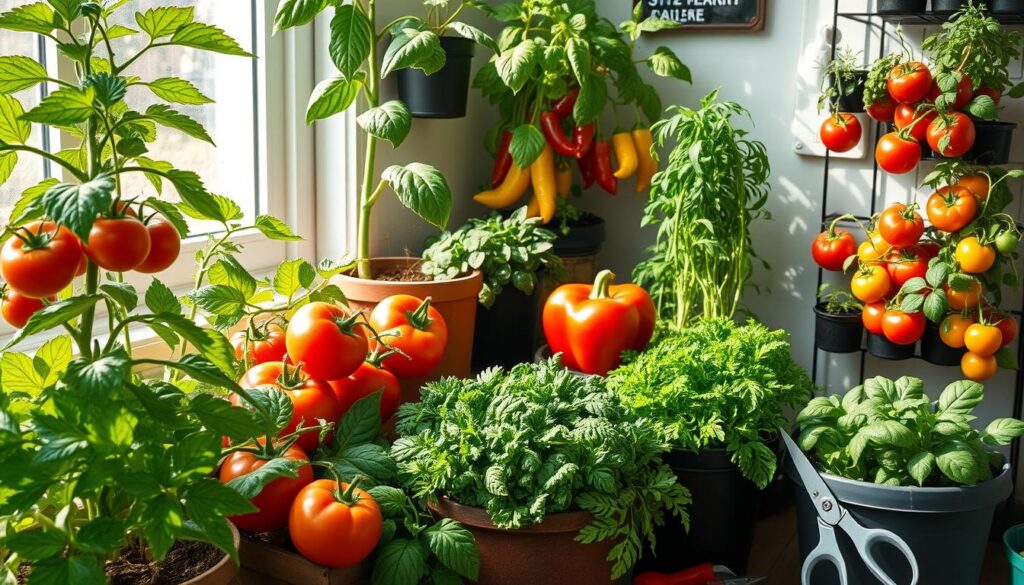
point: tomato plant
(964, 93)
(973, 256)
(903, 328)
(900, 225)
(369, 378)
(896, 154)
(275, 499)
(335, 524)
(909, 82)
(257, 345)
(950, 209)
(833, 246)
(312, 399)
(415, 329)
(871, 283)
(841, 132)
(40, 259)
(118, 244)
(327, 340)
(18, 308)
(164, 247)
(883, 109)
(906, 264)
(915, 120)
(951, 135)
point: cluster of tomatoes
(41, 259)
(893, 264)
(325, 360)
(910, 105)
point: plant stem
(366, 199)
(51, 157)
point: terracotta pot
(224, 572)
(541, 554)
(272, 563)
(455, 299)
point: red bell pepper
(699, 575)
(503, 161)
(563, 107)
(551, 124)
(601, 155)
(592, 325)
(583, 139)
(586, 165)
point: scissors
(832, 514)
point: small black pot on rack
(853, 103)
(935, 351)
(837, 333)
(881, 347)
(1008, 6)
(900, 6)
(991, 144)
(950, 6)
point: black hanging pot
(935, 351)
(855, 101)
(445, 93)
(837, 333)
(954, 5)
(585, 237)
(881, 347)
(900, 6)
(1008, 6)
(992, 143)
(504, 334)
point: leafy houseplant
(529, 444)
(842, 84)
(703, 206)
(97, 462)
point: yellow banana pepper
(626, 154)
(508, 192)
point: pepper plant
(414, 43)
(94, 458)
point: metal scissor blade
(813, 484)
(742, 581)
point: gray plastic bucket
(947, 528)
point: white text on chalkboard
(685, 11)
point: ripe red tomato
(365, 381)
(906, 264)
(909, 82)
(327, 340)
(416, 328)
(165, 245)
(964, 92)
(977, 184)
(18, 308)
(951, 135)
(951, 209)
(883, 110)
(1006, 323)
(41, 259)
(907, 115)
(334, 525)
(986, 90)
(275, 499)
(841, 132)
(872, 317)
(903, 328)
(311, 398)
(897, 155)
(830, 250)
(928, 250)
(900, 225)
(260, 346)
(118, 244)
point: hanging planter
(854, 101)
(954, 5)
(837, 333)
(992, 144)
(881, 347)
(445, 93)
(1008, 7)
(901, 6)
(935, 351)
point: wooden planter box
(266, 563)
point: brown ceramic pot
(541, 554)
(275, 563)
(455, 299)
(224, 572)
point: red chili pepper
(552, 126)
(502, 162)
(699, 575)
(563, 107)
(583, 139)
(603, 171)
(586, 165)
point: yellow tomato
(973, 256)
(952, 330)
(871, 283)
(978, 367)
(983, 339)
(963, 299)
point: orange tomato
(1007, 325)
(872, 317)
(871, 283)
(952, 330)
(950, 210)
(978, 367)
(867, 252)
(962, 299)
(983, 339)
(977, 184)
(973, 256)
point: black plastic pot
(901, 6)
(855, 101)
(840, 333)
(722, 517)
(445, 93)
(585, 237)
(934, 351)
(1008, 6)
(954, 5)
(992, 145)
(881, 347)
(504, 334)
(947, 528)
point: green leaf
(34, 18)
(390, 121)
(228, 272)
(100, 375)
(935, 306)
(76, 206)
(194, 194)
(937, 274)
(454, 546)
(664, 63)
(223, 418)
(53, 315)
(162, 518)
(957, 463)
(360, 424)
(160, 299)
(983, 107)
(122, 293)
(8, 160)
(1001, 431)
(20, 374)
(291, 13)
(351, 38)
(422, 189)
(28, 207)
(368, 460)
(51, 360)
(578, 53)
(591, 100)
(411, 48)
(166, 116)
(251, 484)
(177, 90)
(170, 212)
(961, 397)
(109, 89)
(69, 9)
(331, 96)
(292, 275)
(888, 433)
(208, 38)
(75, 570)
(101, 535)
(219, 299)
(400, 562)
(1006, 358)
(391, 500)
(474, 34)
(275, 229)
(118, 31)
(201, 369)
(208, 503)
(18, 72)
(36, 545)
(515, 66)
(527, 144)
(65, 107)
(656, 24)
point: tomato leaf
(454, 546)
(207, 37)
(423, 190)
(392, 501)
(160, 299)
(912, 303)
(35, 545)
(292, 275)
(361, 424)
(400, 561)
(937, 274)
(159, 22)
(52, 316)
(368, 460)
(275, 229)
(219, 299)
(936, 306)
(18, 72)
(166, 116)
(251, 484)
(101, 374)
(220, 417)
(34, 18)
(1006, 358)
(121, 293)
(278, 405)
(65, 107)
(983, 107)
(177, 90)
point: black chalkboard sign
(740, 15)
